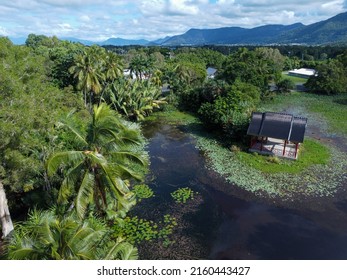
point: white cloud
(85, 18)
(152, 19)
(183, 7)
(3, 31)
(65, 27)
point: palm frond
(85, 194)
(23, 252)
(79, 135)
(122, 251)
(96, 158)
(126, 173)
(69, 182)
(125, 155)
(63, 158)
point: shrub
(285, 85)
(232, 111)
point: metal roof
(278, 125)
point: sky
(99, 20)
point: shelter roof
(278, 125)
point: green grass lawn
(172, 115)
(294, 78)
(311, 152)
(332, 109)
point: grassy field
(330, 109)
(171, 115)
(311, 153)
(294, 78)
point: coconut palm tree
(156, 78)
(98, 172)
(137, 66)
(47, 236)
(88, 74)
(113, 66)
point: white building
(302, 72)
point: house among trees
(276, 134)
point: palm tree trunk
(6, 222)
(85, 98)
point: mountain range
(330, 31)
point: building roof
(307, 72)
(278, 125)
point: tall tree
(87, 72)
(138, 66)
(98, 171)
(112, 66)
(331, 78)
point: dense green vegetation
(65, 151)
(71, 150)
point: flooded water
(225, 222)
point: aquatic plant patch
(181, 195)
(317, 179)
(135, 230)
(143, 191)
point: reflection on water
(225, 222)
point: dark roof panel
(278, 125)
(255, 125)
(298, 130)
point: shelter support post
(261, 143)
(296, 149)
(284, 147)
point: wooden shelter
(276, 134)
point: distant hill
(159, 41)
(231, 35)
(333, 30)
(76, 40)
(123, 42)
(110, 41)
(330, 31)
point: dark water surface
(225, 222)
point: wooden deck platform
(275, 147)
